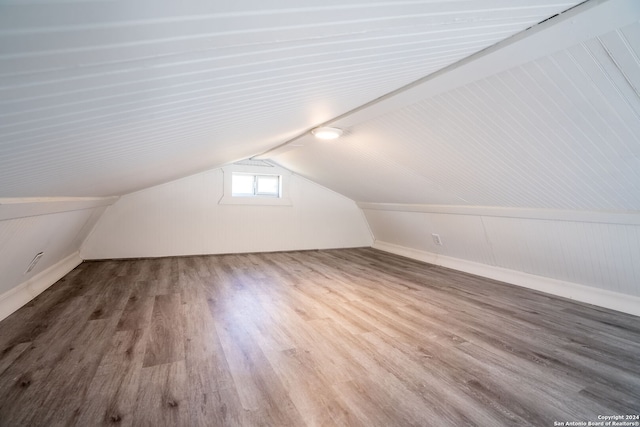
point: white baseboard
(625, 303)
(15, 298)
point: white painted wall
(53, 226)
(184, 217)
(593, 258)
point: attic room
(320, 213)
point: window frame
(257, 199)
(256, 185)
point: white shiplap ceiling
(107, 97)
(558, 132)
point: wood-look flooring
(353, 337)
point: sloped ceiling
(558, 132)
(107, 97)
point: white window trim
(229, 199)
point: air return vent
(34, 261)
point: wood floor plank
(25, 379)
(10, 354)
(23, 395)
(211, 395)
(260, 389)
(138, 310)
(353, 337)
(111, 396)
(161, 397)
(166, 335)
(111, 300)
(28, 323)
(67, 391)
(303, 338)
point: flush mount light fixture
(327, 133)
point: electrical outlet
(34, 261)
(436, 239)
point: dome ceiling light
(327, 133)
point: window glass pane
(268, 185)
(241, 185)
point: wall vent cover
(34, 261)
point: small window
(258, 183)
(252, 185)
